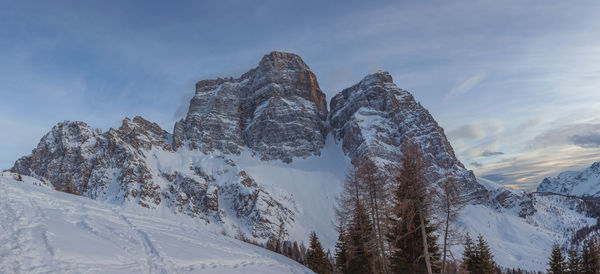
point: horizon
(516, 94)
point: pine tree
(372, 186)
(316, 259)
(589, 258)
(469, 256)
(451, 202)
(408, 255)
(360, 236)
(557, 261)
(574, 263)
(296, 252)
(361, 247)
(341, 252)
(414, 246)
(484, 259)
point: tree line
(390, 224)
(584, 259)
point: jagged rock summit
(231, 160)
(375, 118)
(276, 109)
(135, 164)
(582, 184)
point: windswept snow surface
(44, 230)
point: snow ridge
(582, 184)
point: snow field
(48, 231)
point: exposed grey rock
(123, 165)
(375, 118)
(277, 110)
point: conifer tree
(556, 265)
(361, 246)
(451, 203)
(341, 252)
(372, 187)
(485, 261)
(414, 247)
(316, 259)
(408, 256)
(574, 262)
(469, 256)
(360, 236)
(589, 258)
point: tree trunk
(370, 182)
(446, 234)
(379, 233)
(425, 246)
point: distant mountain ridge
(584, 183)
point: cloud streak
(466, 85)
(586, 141)
(488, 153)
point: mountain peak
(280, 95)
(283, 60)
(380, 75)
(584, 183)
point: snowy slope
(307, 187)
(523, 241)
(44, 230)
(311, 183)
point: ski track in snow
(48, 231)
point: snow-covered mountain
(583, 184)
(262, 155)
(46, 231)
(521, 227)
(274, 116)
(374, 118)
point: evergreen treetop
(557, 264)
(485, 261)
(574, 262)
(316, 259)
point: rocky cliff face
(375, 118)
(135, 164)
(583, 184)
(76, 158)
(277, 110)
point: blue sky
(515, 84)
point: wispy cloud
(476, 164)
(466, 85)
(586, 141)
(488, 153)
(476, 130)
